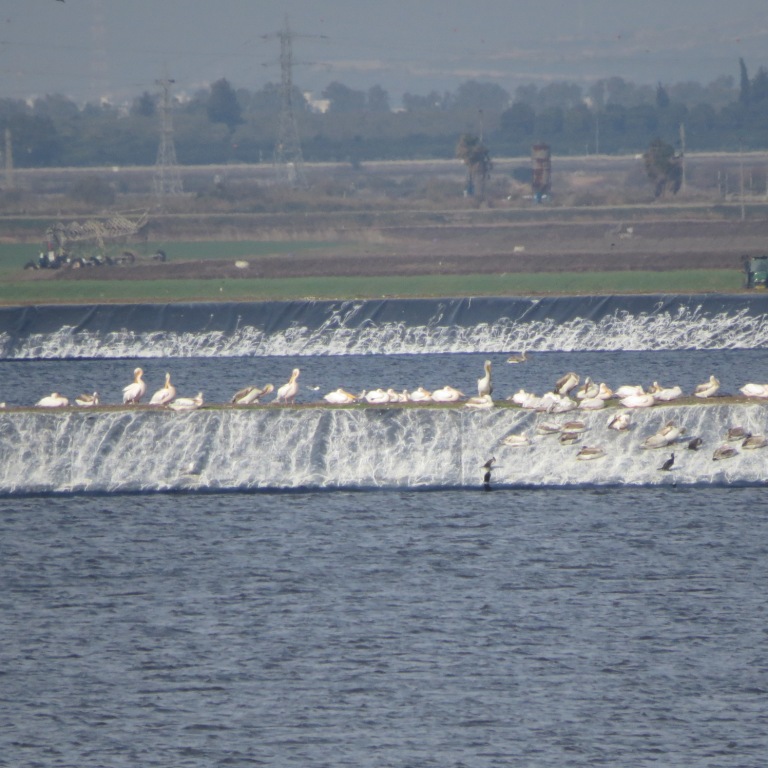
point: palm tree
(476, 157)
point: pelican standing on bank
(287, 393)
(133, 393)
(484, 383)
(165, 394)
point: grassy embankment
(16, 287)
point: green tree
(475, 156)
(745, 90)
(223, 106)
(344, 99)
(664, 167)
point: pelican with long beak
(566, 383)
(251, 395)
(521, 358)
(421, 395)
(187, 403)
(708, 388)
(448, 394)
(54, 400)
(87, 400)
(287, 393)
(165, 394)
(133, 393)
(484, 383)
(340, 396)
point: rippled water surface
(511, 628)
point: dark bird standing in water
(695, 444)
(488, 467)
(667, 465)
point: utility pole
(8, 159)
(167, 181)
(289, 161)
(682, 154)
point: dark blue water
(25, 382)
(537, 628)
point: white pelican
(479, 402)
(525, 399)
(87, 401)
(589, 452)
(186, 403)
(54, 400)
(667, 435)
(448, 394)
(754, 441)
(575, 426)
(592, 403)
(754, 390)
(516, 441)
(568, 438)
(708, 388)
(548, 428)
(551, 402)
(638, 401)
(627, 390)
(587, 390)
(737, 433)
(136, 390)
(340, 396)
(251, 395)
(521, 358)
(725, 451)
(620, 422)
(287, 393)
(484, 383)
(665, 394)
(165, 394)
(604, 392)
(376, 397)
(421, 395)
(566, 383)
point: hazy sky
(87, 49)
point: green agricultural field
(250, 289)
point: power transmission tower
(289, 161)
(167, 181)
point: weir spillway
(283, 448)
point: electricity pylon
(289, 161)
(167, 181)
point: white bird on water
(136, 390)
(287, 393)
(484, 383)
(165, 394)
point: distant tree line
(221, 124)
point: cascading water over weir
(387, 326)
(356, 448)
(218, 448)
